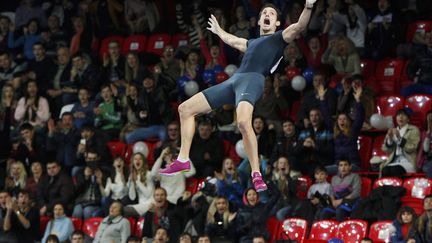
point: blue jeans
(416, 89)
(283, 213)
(143, 133)
(82, 212)
(427, 168)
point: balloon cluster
(140, 147)
(378, 121)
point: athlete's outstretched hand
(214, 25)
(310, 2)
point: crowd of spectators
(63, 100)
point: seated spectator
(185, 238)
(315, 146)
(116, 185)
(401, 145)
(55, 36)
(214, 55)
(16, 179)
(313, 47)
(113, 68)
(228, 183)
(176, 184)
(133, 239)
(88, 187)
(54, 188)
(140, 186)
(342, 54)
(427, 146)
(403, 223)
(265, 135)
(63, 140)
(187, 26)
(30, 148)
(194, 212)
(252, 217)
(34, 180)
(346, 187)
(32, 108)
(271, 103)
(135, 71)
(285, 142)
(420, 230)
(328, 19)
(93, 140)
(203, 239)
(77, 237)
(129, 106)
(311, 100)
(345, 131)
(83, 109)
(83, 37)
(152, 112)
(162, 214)
(259, 239)
(5, 236)
(206, 150)
(60, 226)
(240, 26)
(108, 116)
(115, 227)
(319, 193)
(172, 139)
(141, 17)
(220, 225)
(43, 67)
(52, 239)
(191, 67)
(30, 36)
(292, 58)
(420, 71)
(160, 236)
(28, 10)
(21, 219)
(356, 25)
(7, 109)
(8, 67)
(83, 75)
(5, 22)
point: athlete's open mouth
(267, 21)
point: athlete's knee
(185, 109)
(244, 125)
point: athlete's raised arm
(232, 40)
(291, 32)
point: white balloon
(240, 149)
(377, 121)
(388, 120)
(230, 69)
(191, 88)
(141, 147)
(298, 83)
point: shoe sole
(261, 189)
(174, 173)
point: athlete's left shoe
(258, 182)
(175, 168)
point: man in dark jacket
(55, 187)
(83, 74)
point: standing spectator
(129, 106)
(286, 142)
(113, 72)
(319, 193)
(115, 227)
(175, 185)
(401, 144)
(77, 237)
(22, 219)
(108, 116)
(142, 17)
(82, 110)
(34, 180)
(116, 185)
(58, 37)
(161, 235)
(92, 140)
(169, 64)
(135, 71)
(206, 150)
(5, 236)
(108, 16)
(403, 224)
(30, 36)
(356, 24)
(228, 183)
(63, 140)
(421, 230)
(191, 67)
(266, 136)
(220, 221)
(240, 26)
(328, 19)
(60, 226)
(32, 108)
(54, 188)
(83, 75)
(140, 186)
(214, 55)
(172, 139)
(16, 179)
(345, 131)
(43, 66)
(313, 47)
(342, 54)
(83, 37)
(346, 187)
(31, 147)
(190, 29)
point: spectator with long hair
(421, 230)
(341, 53)
(135, 72)
(405, 219)
(34, 179)
(220, 224)
(228, 183)
(60, 225)
(16, 179)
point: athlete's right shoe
(175, 168)
(258, 182)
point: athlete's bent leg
(187, 111)
(244, 121)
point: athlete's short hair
(271, 5)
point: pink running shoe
(175, 167)
(258, 182)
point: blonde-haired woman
(341, 53)
(135, 72)
(140, 186)
(17, 178)
(228, 183)
(219, 221)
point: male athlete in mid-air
(244, 88)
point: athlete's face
(268, 20)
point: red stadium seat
(139, 227)
(352, 231)
(388, 181)
(293, 229)
(272, 227)
(43, 221)
(376, 148)
(77, 223)
(364, 145)
(387, 74)
(367, 68)
(304, 182)
(135, 43)
(323, 230)
(420, 105)
(180, 39)
(157, 42)
(417, 187)
(116, 148)
(414, 203)
(366, 186)
(389, 105)
(91, 226)
(105, 42)
(380, 231)
(132, 223)
(192, 185)
(418, 27)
